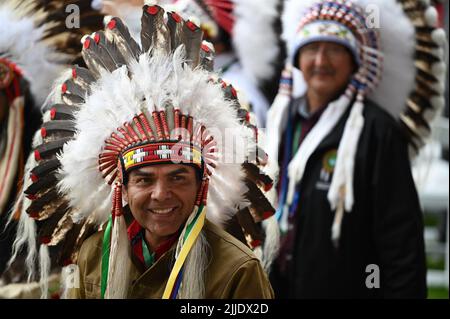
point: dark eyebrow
(140, 173)
(182, 170)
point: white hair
(193, 284)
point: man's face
(327, 67)
(161, 197)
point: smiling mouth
(162, 211)
(323, 74)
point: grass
(430, 220)
(437, 293)
(435, 263)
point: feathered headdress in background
(38, 39)
(27, 62)
(245, 21)
(154, 103)
(34, 36)
(400, 56)
(253, 28)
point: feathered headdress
(36, 39)
(35, 46)
(134, 105)
(399, 51)
(246, 21)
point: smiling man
(346, 198)
(161, 198)
(327, 68)
(152, 171)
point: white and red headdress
(157, 102)
(399, 51)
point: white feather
(54, 96)
(226, 191)
(345, 159)
(119, 262)
(195, 20)
(437, 102)
(37, 139)
(440, 38)
(70, 279)
(26, 234)
(271, 242)
(429, 115)
(30, 235)
(26, 229)
(431, 16)
(107, 19)
(44, 269)
(293, 12)
(396, 68)
(195, 267)
(438, 69)
(254, 37)
(278, 115)
(151, 2)
(131, 16)
(97, 4)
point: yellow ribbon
(183, 254)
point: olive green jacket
(233, 270)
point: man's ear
(125, 192)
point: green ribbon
(149, 258)
(296, 139)
(191, 225)
(106, 246)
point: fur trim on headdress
(255, 39)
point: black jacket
(384, 228)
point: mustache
(162, 206)
(323, 71)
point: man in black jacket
(347, 204)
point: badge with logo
(328, 164)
